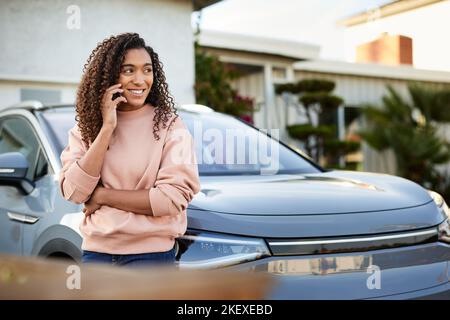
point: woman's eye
(148, 70)
(127, 71)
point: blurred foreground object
(35, 278)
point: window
(17, 135)
(230, 147)
(41, 166)
(212, 144)
(353, 124)
(45, 96)
(279, 73)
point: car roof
(33, 105)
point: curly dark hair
(102, 71)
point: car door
(16, 209)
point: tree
(411, 130)
(213, 86)
(319, 133)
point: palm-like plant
(410, 130)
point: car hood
(333, 192)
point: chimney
(387, 49)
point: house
(46, 43)
(262, 62)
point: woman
(129, 135)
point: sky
(308, 21)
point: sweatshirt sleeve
(177, 180)
(75, 184)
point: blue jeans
(131, 260)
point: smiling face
(136, 77)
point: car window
(227, 146)
(17, 135)
(212, 144)
(58, 123)
(41, 166)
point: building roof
(200, 4)
(389, 9)
(240, 42)
(402, 72)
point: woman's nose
(139, 78)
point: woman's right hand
(94, 202)
(108, 105)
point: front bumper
(413, 272)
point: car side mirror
(13, 171)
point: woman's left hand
(93, 203)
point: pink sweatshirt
(135, 160)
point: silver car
(322, 234)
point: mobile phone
(116, 95)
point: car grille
(281, 247)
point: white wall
(428, 27)
(36, 41)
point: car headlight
(444, 227)
(207, 250)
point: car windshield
(224, 145)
